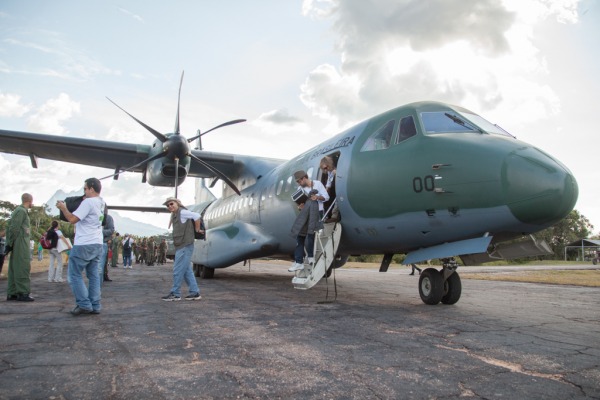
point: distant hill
(122, 224)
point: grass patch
(590, 278)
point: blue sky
(299, 71)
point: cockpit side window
(381, 138)
(407, 129)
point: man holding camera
(86, 253)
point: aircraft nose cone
(538, 189)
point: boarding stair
(326, 244)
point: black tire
(452, 289)
(206, 273)
(595, 261)
(431, 286)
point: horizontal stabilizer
(469, 246)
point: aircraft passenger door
(254, 205)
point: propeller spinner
(176, 148)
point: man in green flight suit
(115, 250)
(18, 236)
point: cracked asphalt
(253, 336)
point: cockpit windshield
(452, 121)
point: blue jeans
(182, 269)
(86, 258)
(301, 241)
(126, 260)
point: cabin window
(381, 138)
(309, 172)
(288, 184)
(279, 187)
(407, 129)
(251, 200)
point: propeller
(177, 147)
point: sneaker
(24, 297)
(310, 260)
(80, 311)
(296, 267)
(95, 312)
(171, 297)
(193, 296)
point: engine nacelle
(161, 172)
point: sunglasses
(170, 204)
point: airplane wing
(117, 155)
(98, 153)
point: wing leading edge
(115, 155)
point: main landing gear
(444, 285)
(203, 272)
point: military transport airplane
(429, 180)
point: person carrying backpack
(127, 247)
(56, 264)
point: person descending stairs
(326, 245)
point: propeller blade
(218, 173)
(235, 121)
(157, 134)
(176, 174)
(154, 157)
(176, 130)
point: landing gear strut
(444, 285)
(203, 272)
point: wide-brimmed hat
(170, 199)
(299, 175)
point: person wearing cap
(183, 240)
(316, 192)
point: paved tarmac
(253, 336)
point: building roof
(584, 243)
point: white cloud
(391, 54)
(52, 114)
(132, 15)
(275, 121)
(10, 106)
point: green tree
(40, 220)
(6, 209)
(574, 226)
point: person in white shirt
(306, 236)
(86, 253)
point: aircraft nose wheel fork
(440, 286)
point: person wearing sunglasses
(183, 240)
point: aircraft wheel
(206, 273)
(452, 289)
(431, 286)
(595, 261)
